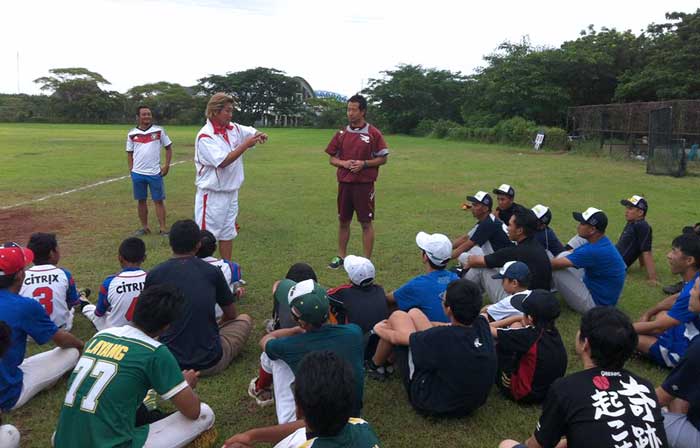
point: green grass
(287, 214)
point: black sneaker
(673, 289)
(335, 263)
(377, 373)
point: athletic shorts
(142, 183)
(357, 198)
(670, 347)
(216, 211)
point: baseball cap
(543, 213)
(514, 270)
(637, 202)
(594, 217)
(307, 300)
(13, 258)
(360, 270)
(436, 246)
(505, 189)
(538, 303)
(481, 197)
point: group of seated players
(160, 331)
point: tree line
(520, 83)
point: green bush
(425, 127)
(556, 138)
(515, 131)
(458, 133)
(442, 127)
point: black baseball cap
(593, 217)
(636, 202)
(481, 197)
(505, 189)
(538, 303)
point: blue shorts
(141, 183)
(670, 346)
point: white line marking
(74, 190)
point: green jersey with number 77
(117, 368)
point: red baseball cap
(14, 258)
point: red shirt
(358, 144)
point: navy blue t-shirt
(683, 382)
(423, 292)
(490, 230)
(635, 239)
(194, 338)
(548, 239)
(25, 317)
(605, 270)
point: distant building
(273, 118)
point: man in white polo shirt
(218, 159)
(143, 145)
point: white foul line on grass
(74, 190)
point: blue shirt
(423, 292)
(605, 270)
(681, 313)
(25, 317)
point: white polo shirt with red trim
(145, 145)
(212, 146)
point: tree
(77, 96)
(171, 103)
(672, 68)
(411, 93)
(257, 91)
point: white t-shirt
(118, 295)
(294, 440)
(145, 145)
(54, 288)
(211, 149)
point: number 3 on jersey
(102, 371)
(44, 295)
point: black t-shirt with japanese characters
(602, 409)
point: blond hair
(217, 103)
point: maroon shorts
(356, 198)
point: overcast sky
(334, 45)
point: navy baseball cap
(593, 217)
(513, 270)
(481, 197)
(543, 214)
(636, 202)
(538, 303)
(505, 189)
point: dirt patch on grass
(17, 224)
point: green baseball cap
(307, 300)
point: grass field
(287, 214)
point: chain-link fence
(625, 130)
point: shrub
(515, 131)
(458, 133)
(556, 138)
(425, 127)
(442, 127)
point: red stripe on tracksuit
(204, 212)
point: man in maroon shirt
(357, 151)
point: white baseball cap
(542, 213)
(436, 246)
(360, 270)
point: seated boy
(283, 349)
(118, 366)
(118, 293)
(545, 234)
(231, 270)
(665, 331)
(516, 280)
(48, 284)
(324, 391)
(360, 302)
(447, 369)
(531, 357)
(281, 314)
